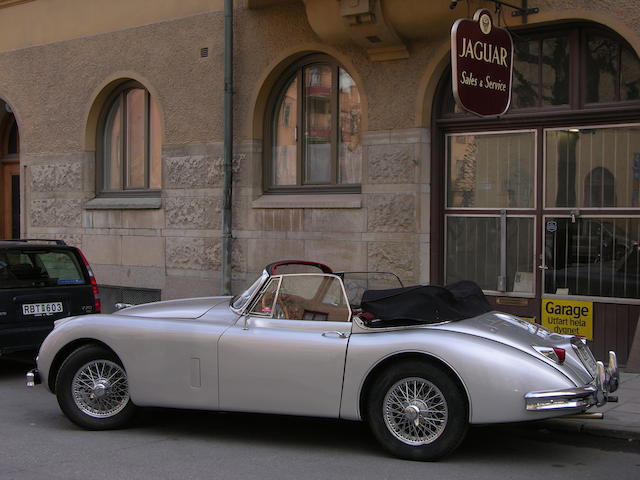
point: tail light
(555, 354)
(97, 307)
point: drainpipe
(228, 147)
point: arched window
(129, 143)
(312, 129)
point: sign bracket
(524, 11)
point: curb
(576, 426)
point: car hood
(181, 308)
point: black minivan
(40, 282)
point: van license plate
(42, 308)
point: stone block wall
(175, 246)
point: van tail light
(97, 307)
(555, 354)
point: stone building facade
(59, 77)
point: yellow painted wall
(45, 21)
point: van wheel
(92, 389)
(417, 411)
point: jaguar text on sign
(481, 61)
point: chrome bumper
(605, 382)
(33, 378)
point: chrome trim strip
(579, 397)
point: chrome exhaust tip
(586, 416)
(613, 372)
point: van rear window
(39, 268)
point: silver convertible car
(419, 364)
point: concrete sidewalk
(621, 419)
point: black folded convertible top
(422, 304)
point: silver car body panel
(283, 366)
(495, 376)
(170, 362)
(201, 354)
(180, 308)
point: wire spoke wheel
(415, 411)
(100, 389)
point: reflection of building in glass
(592, 167)
(325, 148)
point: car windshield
(239, 301)
(35, 268)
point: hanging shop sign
(482, 64)
(568, 317)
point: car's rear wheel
(93, 390)
(417, 411)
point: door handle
(335, 333)
(543, 267)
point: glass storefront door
(591, 224)
(560, 223)
(490, 212)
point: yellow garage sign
(568, 317)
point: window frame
(576, 113)
(296, 71)
(577, 35)
(119, 95)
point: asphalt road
(38, 442)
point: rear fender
(495, 376)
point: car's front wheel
(417, 411)
(93, 390)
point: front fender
(69, 331)
(495, 376)
(169, 362)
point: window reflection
(112, 162)
(131, 141)
(555, 71)
(525, 83)
(317, 136)
(473, 252)
(491, 170)
(603, 57)
(630, 81)
(316, 127)
(135, 121)
(593, 167)
(284, 144)
(350, 151)
(593, 256)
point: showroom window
(577, 67)
(545, 200)
(129, 143)
(313, 129)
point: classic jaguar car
(419, 364)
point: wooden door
(10, 200)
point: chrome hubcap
(415, 411)
(100, 389)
